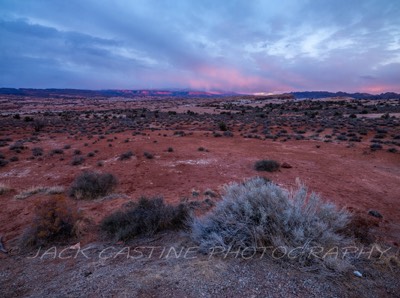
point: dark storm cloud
(246, 46)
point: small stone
(375, 213)
(358, 273)
(87, 273)
(285, 165)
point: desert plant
(14, 158)
(77, 160)
(222, 126)
(267, 165)
(148, 155)
(37, 151)
(4, 188)
(228, 133)
(258, 214)
(57, 151)
(30, 192)
(126, 155)
(54, 221)
(48, 190)
(91, 185)
(375, 146)
(18, 146)
(210, 193)
(38, 124)
(148, 216)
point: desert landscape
(204, 148)
(185, 149)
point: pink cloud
(227, 78)
(379, 88)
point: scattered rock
(375, 213)
(285, 165)
(2, 248)
(87, 273)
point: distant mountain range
(109, 93)
(59, 93)
(324, 94)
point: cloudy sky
(243, 46)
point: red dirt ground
(347, 173)
(351, 177)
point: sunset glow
(239, 46)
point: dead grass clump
(259, 214)
(92, 185)
(54, 222)
(47, 190)
(147, 217)
(4, 189)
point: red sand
(351, 177)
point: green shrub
(147, 217)
(267, 165)
(92, 185)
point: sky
(244, 46)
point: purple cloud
(243, 46)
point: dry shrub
(147, 217)
(267, 165)
(54, 221)
(360, 227)
(4, 188)
(259, 214)
(92, 185)
(126, 155)
(47, 190)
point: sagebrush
(258, 213)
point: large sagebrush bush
(92, 185)
(147, 217)
(258, 213)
